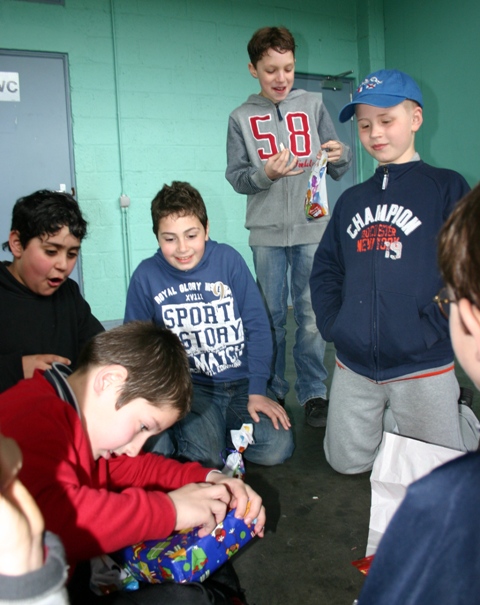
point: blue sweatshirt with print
(215, 309)
(375, 271)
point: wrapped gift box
(183, 556)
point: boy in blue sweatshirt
(204, 292)
(373, 280)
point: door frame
(63, 57)
(334, 81)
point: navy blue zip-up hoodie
(375, 271)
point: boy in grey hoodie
(274, 139)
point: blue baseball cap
(383, 88)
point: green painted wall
(437, 42)
(371, 56)
(181, 67)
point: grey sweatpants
(423, 408)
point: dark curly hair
(45, 212)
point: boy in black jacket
(43, 316)
(373, 280)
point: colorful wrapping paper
(183, 556)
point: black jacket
(32, 324)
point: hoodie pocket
(352, 330)
(400, 333)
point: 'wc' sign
(9, 86)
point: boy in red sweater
(82, 434)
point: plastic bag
(316, 201)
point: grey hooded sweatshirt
(258, 129)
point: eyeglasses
(10, 461)
(443, 300)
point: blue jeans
(204, 435)
(271, 266)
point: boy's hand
(21, 531)
(272, 409)
(334, 150)
(244, 499)
(31, 363)
(279, 165)
(201, 505)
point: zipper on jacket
(279, 114)
(385, 177)
(375, 318)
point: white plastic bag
(400, 461)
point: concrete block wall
(152, 85)
(437, 42)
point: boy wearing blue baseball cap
(373, 285)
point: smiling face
(46, 261)
(388, 133)
(182, 240)
(275, 73)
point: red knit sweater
(98, 506)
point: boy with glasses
(430, 552)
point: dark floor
(317, 520)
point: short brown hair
(154, 358)
(178, 199)
(278, 38)
(459, 248)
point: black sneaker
(316, 410)
(466, 396)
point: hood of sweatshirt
(281, 107)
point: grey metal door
(336, 93)
(35, 130)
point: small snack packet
(316, 201)
(241, 439)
